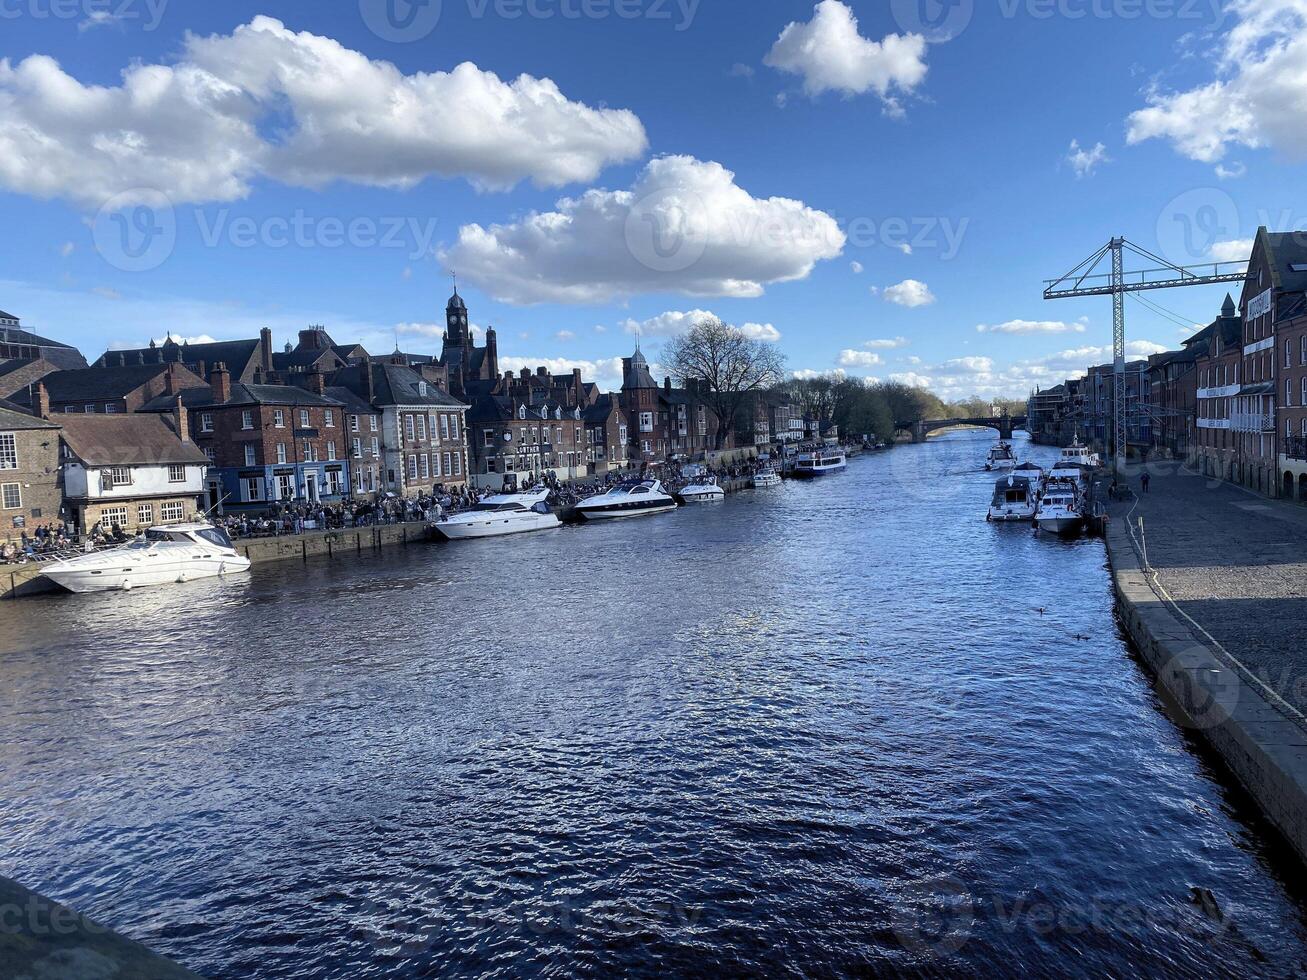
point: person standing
(1143, 482)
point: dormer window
(521, 412)
(422, 389)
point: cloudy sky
(878, 187)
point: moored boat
(1077, 454)
(1061, 508)
(162, 556)
(506, 513)
(820, 463)
(627, 500)
(1000, 457)
(766, 477)
(1015, 499)
(702, 491)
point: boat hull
(496, 527)
(760, 482)
(813, 473)
(614, 512)
(1065, 526)
(1006, 516)
(123, 578)
(702, 498)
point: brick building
(113, 390)
(266, 443)
(17, 344)
(1218, 363)
(248, 361)
(30, 492)
(1172, 379)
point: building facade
(1218, 364)
(30, 494)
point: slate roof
(601, 409)
(243, 394)
(1285, 250)
(395, 384)
(303, 357)
(95, 384)
(127, 440)
(7, 316)
(353, 404)
(240, 356)
(12, 417)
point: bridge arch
(1005, 424)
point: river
(837, 727)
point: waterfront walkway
(1233, 563)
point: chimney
(667, 384)
(170, 379)
(577, 386)
(180, 420)
(265, 352)
(492, 352)
(317, 383)
(202, 369)
(542, 372)
(526, 374)
(220, 382)
(42, 403)
(369, 388)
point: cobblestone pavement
(1235, 563)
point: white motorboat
(1060, 508)
(164, 555)
(506, 513)
(766, 477)
(1001, 457)
(821, 463)
(627, 500)
(1030, 471)
(1077, 454)
(702, 491)
(1015, 499)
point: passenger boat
(702, 491)
(164, 555)
(766, 477)
(627, 500)
(1001, 457)
(821, 463)
(1015, 499)
(1061, 508)
(1079, 455)
(505, 513)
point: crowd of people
(44, 542)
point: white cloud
(685, 226)
(1085, 162)
(1232, 172)
(100, 18)
(296, 107)
(859, 359)
(856, 267)
(66, 249)
(674, 323)
(831, 56)
(904, 247)
(435, 331)
(910, 293)
(1258, 97)
(741, 70)
(807, 374)
(1235, 250)
(1033, 326)
(565, 335)
(887, 343)
(106, 292)
(600, 328)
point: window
(304, 418)
(449, 468)
(172, 512)
(145, 514)
(444, 427)
(646, 421)
(426, 466)
(279, 419)
(422, 428)
(356, 448)
(206, 421)
(458, 464)
(353, 423)
(372, 422)
(329, 419)
(8, 451)
(211, 453)
(247, 419)
(1288, 354)
(120, 476)
(250, 456)
(252, 490)
(408, 428)
(435, 465)
(453, 427)
(281, 452)
(285, 486)
(412, 467)
(310, 452)
(489, 439)
(12, 496)
(621, 434)
(89, 409)
(1302, 354)
(1288, 392)
(109, 516)
(110, 408)
(176, 474)
(331, 449)
(376, 448)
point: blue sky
(845, 180)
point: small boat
(1031, 471)
(702, 491)
(766, 477)
(627, 500)
(1001, 457)
(821, 463)
(505, 513)
(1061, 510)
(162, 556)
(1077, 454)
(1015, 499)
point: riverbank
(43, 939)
(1211, 592)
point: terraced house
(29, 472)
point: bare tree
(730, 367)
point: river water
(842, 727)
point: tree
(730, 367)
